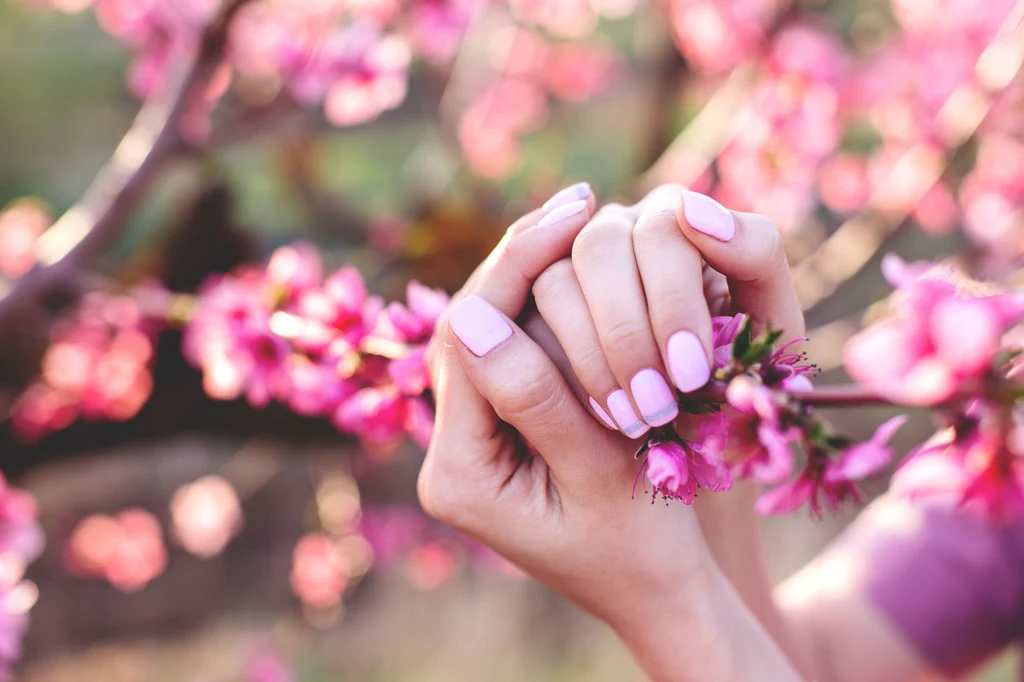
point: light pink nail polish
(629, 423)
(653, 396)
(479, 325)
(563, 213)
(687, 362)
(603, 415)
(581, 190)
(706, 215)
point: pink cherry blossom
(126, 550)
(939, 340)
(865, 459)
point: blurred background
(194, 539)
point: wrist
(698, 629)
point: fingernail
(581, 190)
(629, 423)
(479, 325)
(706, 215)
(687, 362)
(563, 213)
(653, 396)
(603, 415)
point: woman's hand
(561, 509)
(630, 313)
(632, 308)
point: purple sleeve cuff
(953, 586)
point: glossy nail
(687, 362)
(654, 397)
(629, 423)
(596, 406)
(479, 325)
(581, 190)
(563, 213)
(706, 215)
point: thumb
(521, 383)
(748, 249)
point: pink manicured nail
(687, 362)
(706, 215)
(629, 423)
(479, 325)
(581, 190)
(653, 396)
(563, 213)
(603, 415)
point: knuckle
(656, 226)
(625, 337)
(531, 398)
(771, 253)
(590, 365)
(598, 238)
(553, 281)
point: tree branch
(154, 138)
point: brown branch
(102, 213)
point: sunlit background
(200, 540)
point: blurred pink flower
(264, 664)
(21, 224)
(715, 35)
(205, 515)
(98, 367)
(865, 459)
(127, 550)
(938, 341)
(318, 578)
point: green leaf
(741, 345)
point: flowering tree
(844, 133)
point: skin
(683, 587)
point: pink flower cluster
(716, 35)
(97, 367)
(161, 32)
(21, 543)
(127, 550)
(320, 345)
(991, 196)
(789, 128)
(427, 553)
(977, 462)
(752, 424)
(940, 342)
(517, 100)
(351, 57)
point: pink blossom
(865, 459)
(205, 515)
(97, 367)
(126, 550)
(21, 224)
(675, 469)
(715, 35)
(938, 341)
(761, 443)
(318, 578)
(375, 414)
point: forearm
(732, 531)
(701, 631)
